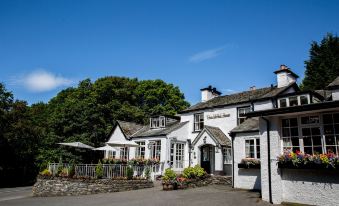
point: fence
(109, 170)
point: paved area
(211, 195)
(15, 193)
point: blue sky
(49, 45)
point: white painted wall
(244, 178)
(284, 79)
(335, 94)
(263, 105)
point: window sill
(248, 166)
(307, 166)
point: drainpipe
(268, 127)
(232, 138)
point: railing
(109, 170)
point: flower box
(248, 166)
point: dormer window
(157, 122)
(293, 101)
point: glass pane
(294, 122)
(330, 149)
(314, 119)
(294, 132)
(293, 101)
(336, 128)
(258, 142)
(295, 149)
(287, 142)
(336, 118)
(327, 118)
(315, 131)
(317, 150)
(307, 141)
(329, 140)
(286, 132)
(283, 103)
(305, 120)
(316, 140)
(308, 150)
(303, 100)
(306, 131)
(328, 129)
(295, 141)
(285, 123)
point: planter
(167, 186)
(248, 166)
(290, 165)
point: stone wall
(58, 186)
(210, 180)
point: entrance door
(206, 158)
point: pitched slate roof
(129, 128)
(146, 131)
(249, 125)
(246, 96)
(218, 135)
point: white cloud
(205, 55)
(229, 91)
(42, 81)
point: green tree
(323, 66)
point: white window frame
(241, 119)
(155, 149)
(335, 134)
(124, 153)
(227, 155)
(141, 150)
(256, 148)
(198, 122)
(287, 99)
(154, 122)
(111, 154)
(177, 155)
(162, 121)
(289, 136)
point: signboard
(216, 116)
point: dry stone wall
(58, 186)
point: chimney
(285, 76)
(253, 88)
(209, 93)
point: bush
(71, 171)
(99, 170)
(46, 172)
(129, 172)
(194, 172)
(148, 173)
(169, 175)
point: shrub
(169, 175)
(148, 173)
(194, 172)
(71, 171)
(129, 172)
(64, 172)
(46, 172)
(99, 170)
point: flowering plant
(301, 160)
(134, 161)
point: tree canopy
(86, 113)
(323, 66)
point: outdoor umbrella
(122, 144)
(105, 148)
(77, 145)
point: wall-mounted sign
(215, 116)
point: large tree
(323, 66)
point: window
(331, 132)
(252, 148)
(227, 153)
(177, 155)
(124, 153)
(241, 114)
(290, 134)
(283, 103)
(154, 122)
(155, 149)
(162, 121)
(140, 151)
(198, 121)
(293, 101)
(111, 154)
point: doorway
(207, 158)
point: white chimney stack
(209, 93)
(285, 76)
